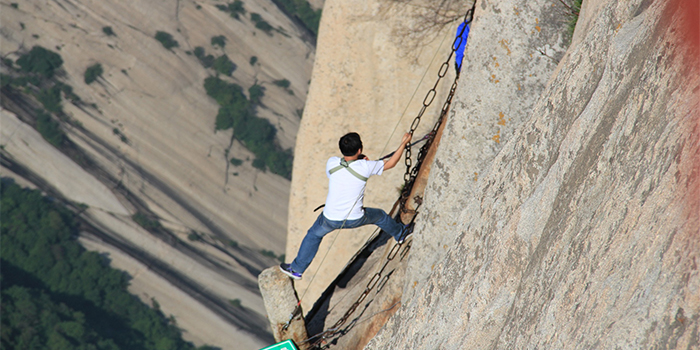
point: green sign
(285, 345)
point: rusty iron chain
(409, 178)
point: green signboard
(285, 345)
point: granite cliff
(580, 229)
(562, 208)
(141, 140)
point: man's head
(350, 144)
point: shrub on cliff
(108, 31)
(260, 23)
(51, 98)
(235, 9)
(49, 129)
(256, 134)
(224, 65)
(40, 61)
(256, 92)
(92, 73)
(219, 40)
(166, 39)
(303, 10)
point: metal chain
(411, 172)
(409, 178)
(373, 282)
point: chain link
(409, 178)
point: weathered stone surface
(281, 302)
(583, 231)
(172, 160)
(504, 73)
(363, 81)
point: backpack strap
(346, 165)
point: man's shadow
(316, 318)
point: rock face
(170, 160)
(363, 81)
(282, 305)
(582, 231)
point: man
(347, 177)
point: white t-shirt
(345, 191)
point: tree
(92, 73)
(166, 39)
(108, 31)
(260, 23)
(219, 40)
(57, 295)
(224, 65)
(40, 61)
(256, 92)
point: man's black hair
(349, 144)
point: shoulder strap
(346, 165)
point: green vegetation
(219, 40)
(5, 80)
(51, 98)
(166, 39)
(574, 9)
(229, 96)
(283, 83)
(92, 73)
(68, 92)
(36, 76)
(224, 65)
(40, 61)
(14, 5)
(236, 161)
(236, 302)
(253, 60)
(206, 61)
(108, 31)
(260, 23)
(49, 129)
(235, 9)
(56, 295)
(146, 222)
(123, 138)
(271, 254)
(194, 236)
(256, 92)
(302, 10)
(257, 134)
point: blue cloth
(462, 44)
(322, 226)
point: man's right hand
(406, 138)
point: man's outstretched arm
(391, 162)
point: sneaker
(405, 232)
(287, 269)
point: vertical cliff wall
(583, 231)
(363, 80)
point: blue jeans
(323, 226)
